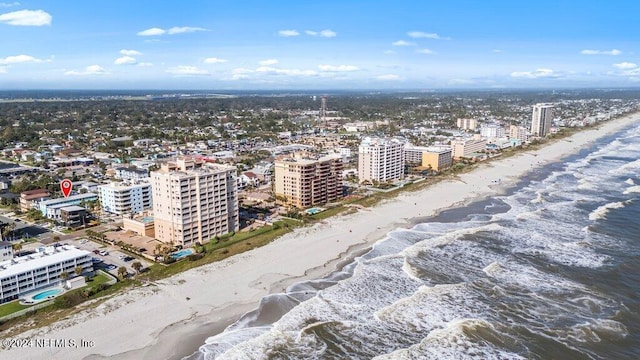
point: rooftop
(48, 256)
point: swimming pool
(182, 253)
(47, 294)
(314, 210)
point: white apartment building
(541, 119)
(24, 274)
(131, 173)
(194, 201)
(380, 160)
(466, 147)
(492, 132)
(126, 198)
(467, 124)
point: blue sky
(328, 44)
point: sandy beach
(171, 318)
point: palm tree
(78, 270)
(137, 266)
(64, 275)
(17, 247)
(56, 239)
(122, 272)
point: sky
(307, 44)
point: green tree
(137, 266)
(78, 270)
(64, 275)
(122, 272)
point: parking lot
(113, 257)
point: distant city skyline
(317, 45)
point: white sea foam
(633, 189)
(452, 342)
(630, 181)
(602, 211)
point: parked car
(103, 253)
(128, 258)
(96, 251)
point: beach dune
(172, 317)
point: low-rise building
(25, 274)
(28, 199)
(51, 208)
(73, 216)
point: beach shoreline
(150, 321)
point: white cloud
(89, 70)
(288, 33)
(539, 73)
(268, 62)
(403, 43)
(19, 59)
(187, 70)
(388, 52)
(496, 51)
(289, 72)
(424, 35)
(214, 60)
(3, 70)
(388, 77)
(601, 52)
(172, 31)
(461, 82)
(130, 52)
(338, 68)
(26, 18)
(184, 29)
(15, 3)
(125, 60)
(145, 64)
(625, 65)
(322, 33)
(425, 51)
(151, 32)
(328, 33)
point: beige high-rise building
(380, 160)
(467, 124)
(305, 180)
(541, 119)
(518, 132)
(466, 148)
(437, 159)
(194, 201)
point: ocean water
(550, 270)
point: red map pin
(65, 186)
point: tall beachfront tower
(307, 180)
(380, 160)
(194, 201)
(541, 119)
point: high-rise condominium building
(193, 201)
(307, 180)
(541, 119)
(467, 124)
(125, 198)
(380, 160)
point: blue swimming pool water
(46, 294)
(313, 211)
(181, 254)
